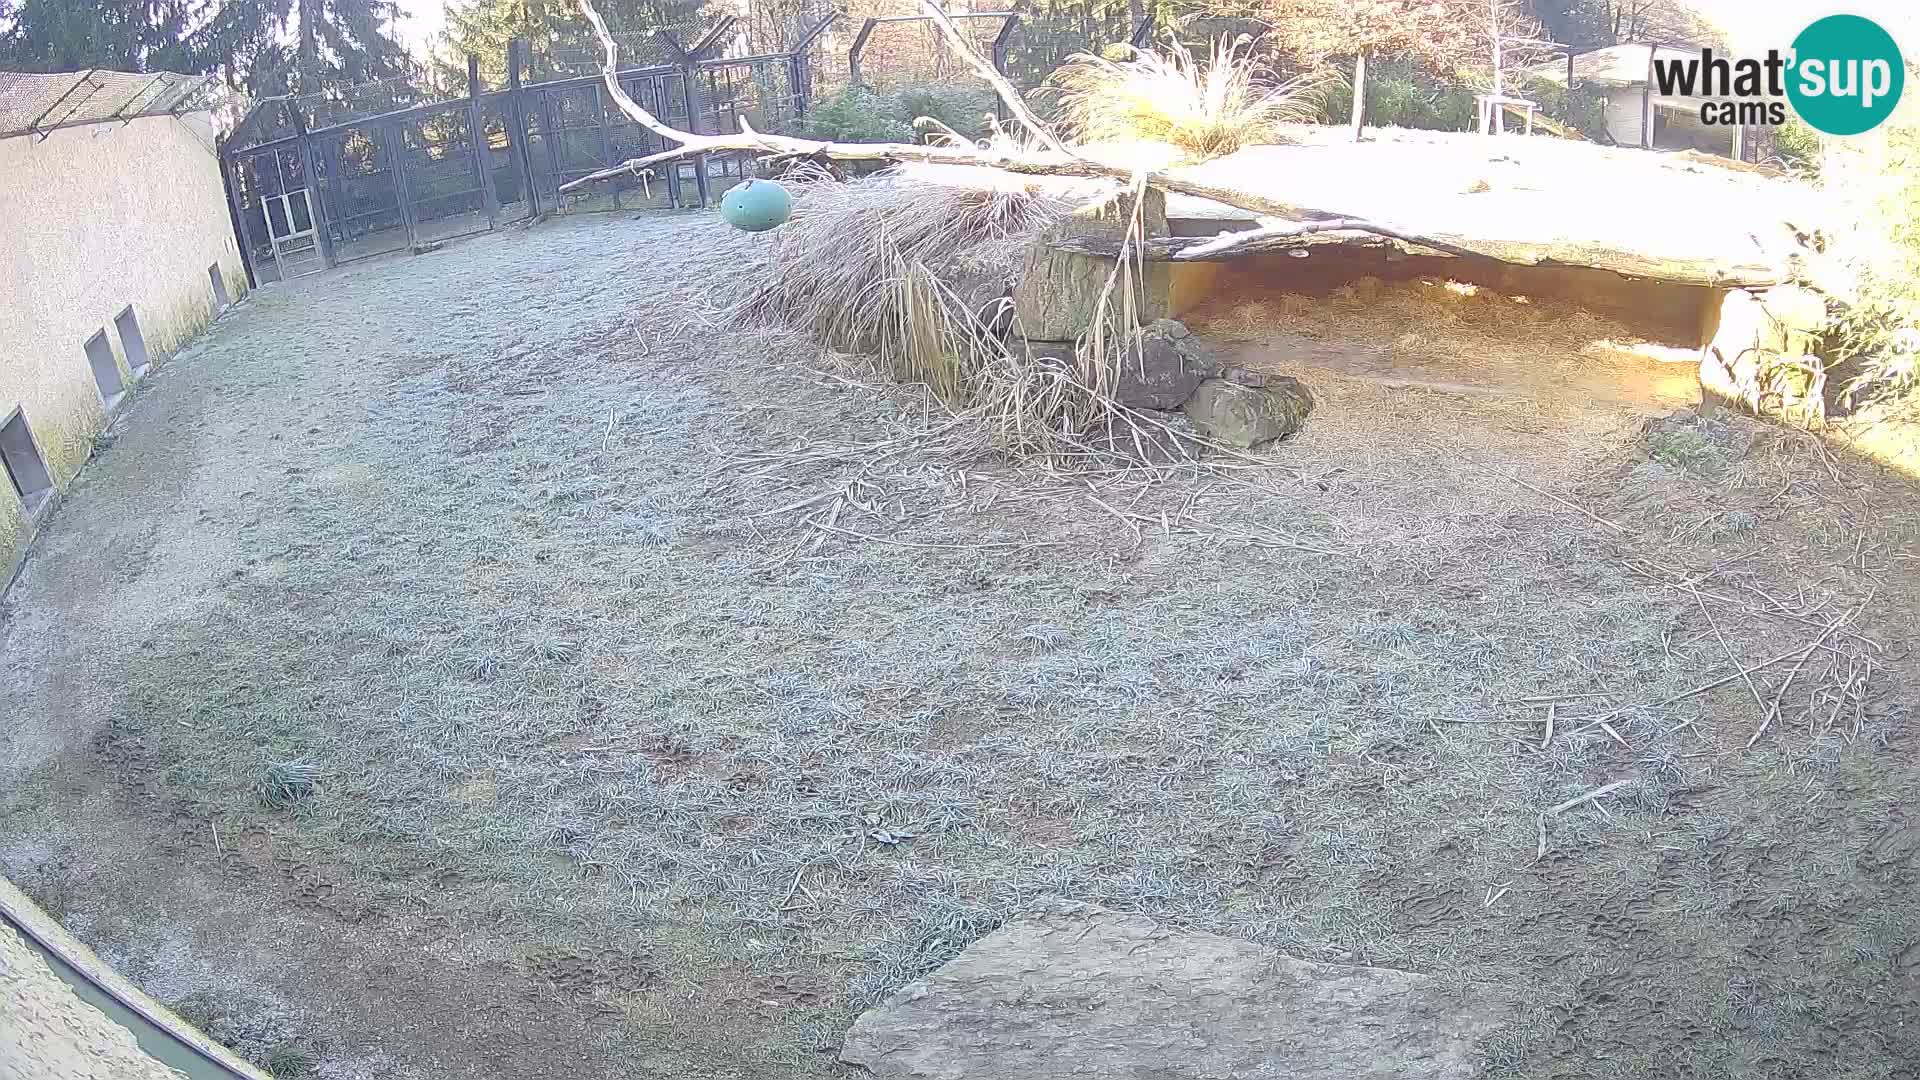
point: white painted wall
(93, 219)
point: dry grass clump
(1207, 108)
(889, 265)
(911, 271)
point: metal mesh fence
(34, 104)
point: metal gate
(278, 226)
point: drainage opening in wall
(132, 342)
(22, 462)
(220, 300)
(106, 370)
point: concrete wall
(93, 219)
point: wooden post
(1499, 125)
(482, 165)
(1646, 102)
(1359, 92)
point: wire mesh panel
(665, 97)
(501, 158)
(360, 191)
(443, 175)
(1045, 39)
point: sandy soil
(619, 754)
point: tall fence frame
(413, 177)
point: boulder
(1075, 990)
(1165, 371)
(1236, 414)
(1796, 318)
(983, 292)
(1730, 365)
(1058, 291)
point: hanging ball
(756, 206)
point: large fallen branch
(1054, 158)
(1715, 272)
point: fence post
(482, 156)
(517, 114)
(800, 66)
(550, 124)
(859, 46)
(402, 159)
(1001, 42)
(692, 77)
(1143, 33)
(316, 200)
(229, 164)
(602, 100)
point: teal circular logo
(1846, 75)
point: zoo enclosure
(306, 197)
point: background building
(116, 246)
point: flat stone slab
(1073, 990)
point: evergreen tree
(265, 46)
(559, 39)
(123, 35)
(302, 46)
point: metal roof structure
(38, 104)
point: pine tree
(303, 46)
(560, 42)
(122, 35)
(265, 46)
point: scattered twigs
(1727, 647)
(1540, 821)
(1569, 504)
(1590, 796)
(1773, 709)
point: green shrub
(1401, 93)
(1797, 145)
(860, 114)
(1871, 258)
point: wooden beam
(1714, 272)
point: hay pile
(908, 272)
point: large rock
(1796, 318)
(1073, 990)
(1168, 367)
(1731, 362)
(1236, 414)
(1058, 291)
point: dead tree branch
(1054, 158)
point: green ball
(756, 206)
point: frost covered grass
(584, 622)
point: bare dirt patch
(622, 767)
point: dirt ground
(474, 665)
